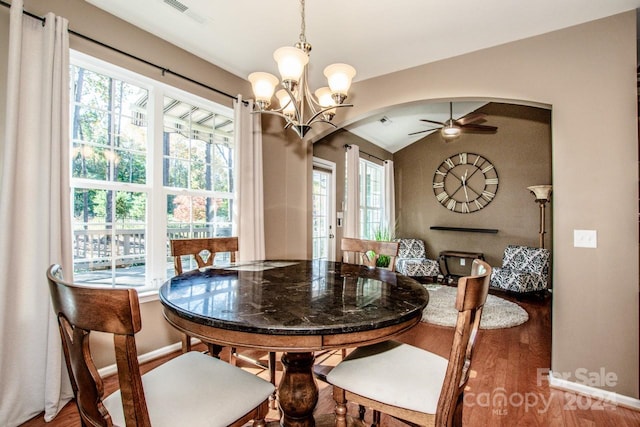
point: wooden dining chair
(367, 252)
(192, 389)
(364, 252)
(409, 383)
(204, 250)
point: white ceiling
(376, 37)
(390, 129)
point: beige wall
(4, 47)
(287, 189)
(587, 74)
(520, 151)
(286, 194)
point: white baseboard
(600, 395)
(112, 369)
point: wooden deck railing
(95, 248)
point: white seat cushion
(194, 389)
(394, 373)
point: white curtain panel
(249, 189)
(35, 217)
(352, 212)
(389, 198)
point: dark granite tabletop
(294, 297)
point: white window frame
(363, 200)
(156, 221)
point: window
(149, 163)
(371, 198)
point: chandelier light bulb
(288, 108)
(323, 95)
(339, 77)
(263, 84)
(291, 62)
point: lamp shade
(285, 103)
(323, 95)
(291, 62)
(339, 77)
(263, 84)
(541, 192)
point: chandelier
(298, 106)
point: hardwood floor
(508, 385)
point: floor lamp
(542, 194)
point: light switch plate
(585, 239)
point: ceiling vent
(177, 5)
(386, 121)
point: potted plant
(383, 234)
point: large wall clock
(465, 183)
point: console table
(445, 255)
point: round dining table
(296, 307)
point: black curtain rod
(128, 55)
(347, 146)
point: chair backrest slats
(471, 297)
(194, 247)
(79, 311)
(355, 251)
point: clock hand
(464, 184)
(459, 178)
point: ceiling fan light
(450, 132)
(291, 62)
(339, 77)
(263, 84)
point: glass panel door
(323, 194)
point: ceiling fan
(451, 129)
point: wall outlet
(463, 261)
(585, 239)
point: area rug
(498, 313)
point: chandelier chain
(303, 24)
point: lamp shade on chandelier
(297, 105)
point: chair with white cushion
(412, 259)
(410, 383)
(190, 390)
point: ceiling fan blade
(479, 128)
(420, 131)
(432, 121)
(471, 118)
